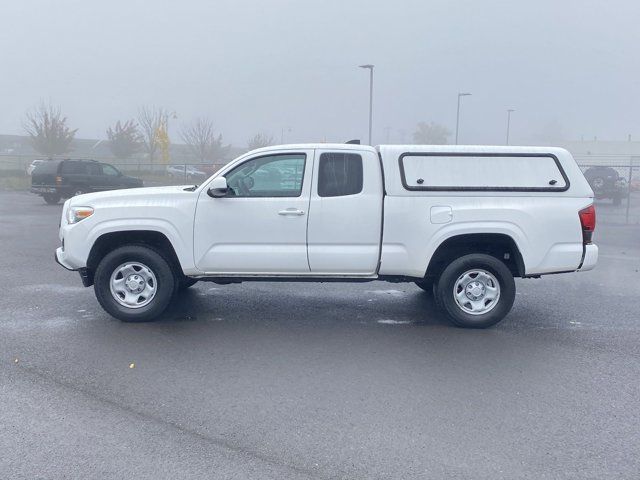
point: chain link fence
(615, 179)
(15, 171)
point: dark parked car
(607, 183)
(56, 179)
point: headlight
(75, 214)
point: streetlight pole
(282, 134)
(458, 114)
(370, 68)
(509, 122)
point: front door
(110, 177)
(260, 227)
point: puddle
(394, 293)
(394, 322)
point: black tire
(426, 285)
(156, 262)
(51, 198)
(445, 291)
(436, 297)
(617, 200)
(186, 282)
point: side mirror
(218, 187)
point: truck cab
(296, 226)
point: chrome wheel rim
(133, 285)
(476, 291)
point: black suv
(607, 183)
(56, 179)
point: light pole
(458, 114)
(509, 122)
(282, 134)
(370, 68)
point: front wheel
(424, 284)
(186, 282)
(51, 198)
(476, 291)
(134, 283)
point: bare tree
(202, 141)
(260, 140)
(431, 134)
(151, 120)
(124, 139)
(48, 130)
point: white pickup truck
(460, 222)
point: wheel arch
(499, 245)
(109, 241)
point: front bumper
(590, 258)
(62, 261)
(85, 275)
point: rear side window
(74, 168)
(339, 174)
(49, 166)
(491, 172)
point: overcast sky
(567, 67)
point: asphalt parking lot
(277, 380)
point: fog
(568, 68)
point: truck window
(74, 168)
(109, 170)
(268, 176)
(339, 174)
(480, 171)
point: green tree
(124, 139)
(431, 134)
(48, 131)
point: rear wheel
(134, 283)
(51, 198)
(476, 291)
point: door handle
(291, 211)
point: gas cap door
(441, 214)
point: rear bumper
(41, 190)
(590, 258)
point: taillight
(58, 180)
(588, 222)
